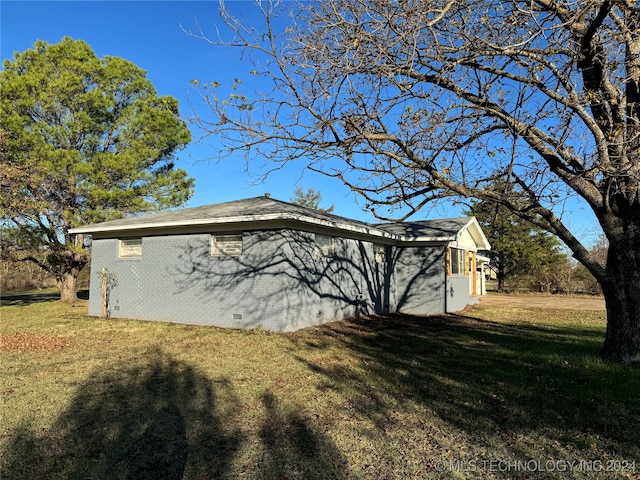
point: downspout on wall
(447, 274)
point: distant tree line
(523, 257)
(23, 276)
(565, 277)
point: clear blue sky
(149, 34)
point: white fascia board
(360, 229)
(404, 240)
(273, 217)
(478, 235)
(98, 228)
(482, 259)
(153, 226)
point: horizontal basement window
(325, 246)
(130, 247)
(226, 245)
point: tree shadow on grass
(490, 380)
(155, 419)
(160, 418)
(293, 449)
(28, 298)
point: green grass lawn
(490, 393)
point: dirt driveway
(543, 301)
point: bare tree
(412, 101)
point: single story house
(264, 262)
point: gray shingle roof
(264, 209)
(440, 229)
(251, 209)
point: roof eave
(355, 228)
(479, 238)
(239, 219)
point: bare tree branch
(413, 102)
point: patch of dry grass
(385, 397)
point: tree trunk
(621, 290)
(501, 274)
(68, 285)
(67, 264)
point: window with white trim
(379, 252)
(228, 245)
(325, 246)
(130, 247)
(457, 261)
